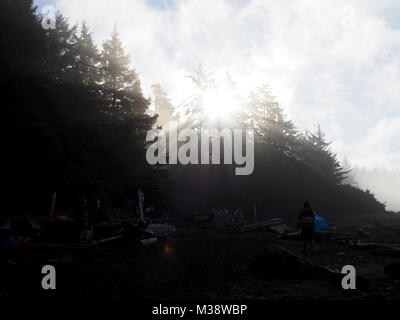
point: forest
(75, 120)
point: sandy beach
(202, 264)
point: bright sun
(219, 105)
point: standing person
(94, 209)
(86, 220)
(93, 215)
(307, 224)
(80, 222)
(131, 206)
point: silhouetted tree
(319, 155)
(61, 49)
(192, 110)
(121, 86)
(87, 59)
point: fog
(385, 184)
(332, 63)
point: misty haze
(200, 151)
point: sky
(336, 63)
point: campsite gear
(83, 234)
(320, 223)
(10, 241)
(14, 243)
(86, 234)
(89, 234)
(25, 227)
(28, 222)
(62, 218)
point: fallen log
(279, 228)
(369, 246)
(64, 246)
(295, 235)
(259, 225)
(72, 246)
(148, 241)
(389, 251)
(108, 239)
(278, 260)
(363, 233)
(160, 229)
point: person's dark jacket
(307, 219)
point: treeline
(74, 116)
(75, 121)
(290, 166)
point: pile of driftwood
(351, 239)
(231, 222)
(273, 225)
(156, 232)
(53, 239)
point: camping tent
(34, 224)
(320, 223)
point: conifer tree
(322, 158)
(266, 117)
(86, 67)
(121, 86)
(192, 110)
(61, 49)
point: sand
(202, 264)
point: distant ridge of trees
(384, 183)
(75, 120)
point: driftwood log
(278, 260)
